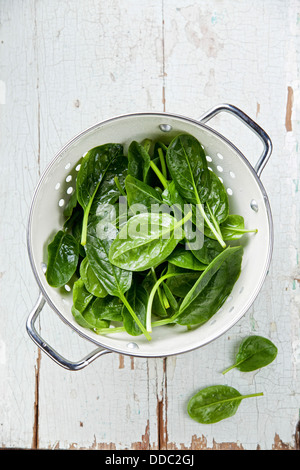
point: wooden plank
(19, 172)
(95, 62)
(245, 55)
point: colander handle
(42, 344)
(263, 136)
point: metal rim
(165, 115)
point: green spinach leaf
(137, 297)
(187, 165)
(146, 240)
(92, 171)
(215, 403)
(91, 281)
(212, 288)
(63, 255)
(138, 161)
(254, 352)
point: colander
(247, 197)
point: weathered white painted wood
(239, 53)
(96, 62)
(19, 175)
(67, 65)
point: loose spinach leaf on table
(63, 255)
(215, 403)
(254, 352)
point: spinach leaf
(184, 258)
(212, 288)
(232, 228)
(182, 281)
(254, 352)
(159, 308)
(138, 161)
(187, 165)
(141, 193)
(217, 204)
(215, 403)
(92, 170)
(146, 240)
(209, 250)
(63, 255)
(81, 296)
(115, 280)
(92, 283)
(108, 308)
(109, 191)
(82, 308)
(137, 297)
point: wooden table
(67, 64)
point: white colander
(247, 197)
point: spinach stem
(214, 220)
(162, 162)
(150, 302)
(116, 180)
(159, 174)
(210, 225)
(162, 296)
(134, 316)
(84, 224)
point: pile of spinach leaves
(128, 277)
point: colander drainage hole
(61, 202)
(208, 158)
(70, 190)
(229, 191)
(69, 178)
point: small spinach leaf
(214, 403)
(254, 352)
